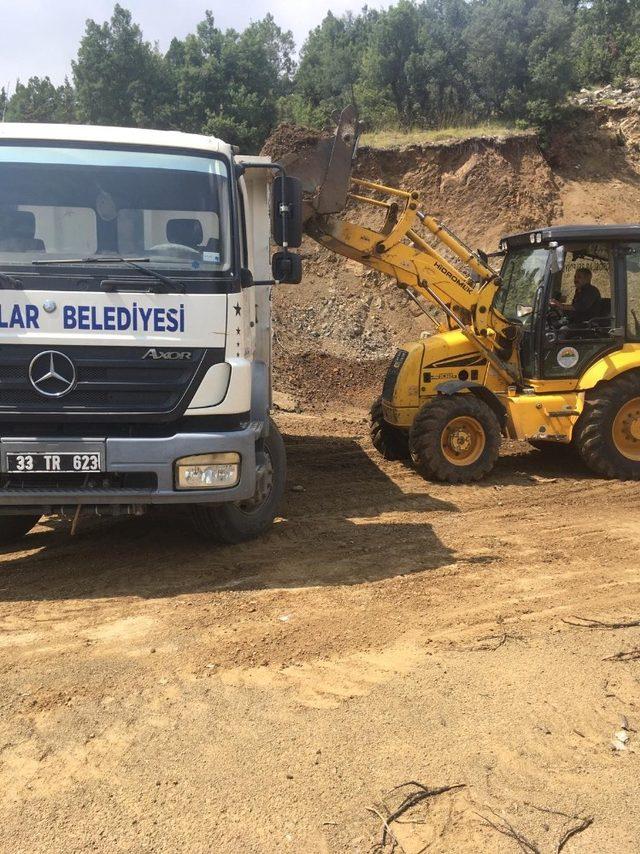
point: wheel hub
(626, 429)
(264, 485)
(463, 441)
(460, 441)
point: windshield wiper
(169, 284)
(9, 282)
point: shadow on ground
(330, 533)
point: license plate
(68, 461)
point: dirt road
(158, 694)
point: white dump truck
(135, 326)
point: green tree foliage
(417, 54)
(330, 72)
(607, 40)
(520, 54)
(4, 103)
(229, 83)
(40, 101)
(418, 63)
(118, 76)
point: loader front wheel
(608, 433)
(455, 439)
(389, 441)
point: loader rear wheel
(389, 441)
(455, 439)
(608, 433)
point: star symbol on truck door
(238, 331)
(238, 308)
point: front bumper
(155, 456)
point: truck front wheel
(245, 520)
(14, 527)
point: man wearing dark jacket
(586, 300)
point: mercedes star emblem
(52, 373)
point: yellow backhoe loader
(512, 357)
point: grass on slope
(400, 139)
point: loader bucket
(325, 168)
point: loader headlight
(208, 471)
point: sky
(41, 37)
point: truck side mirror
(286, 211)
(287, 268)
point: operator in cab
(586, 300)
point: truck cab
(135, 328)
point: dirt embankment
(482, 188)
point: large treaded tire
(426, 438)
(12, 528)
(594, 431)
(238, 522)
(389, 441)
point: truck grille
(109, 380)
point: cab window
(523, 272)
(633, 292)
(593, 259)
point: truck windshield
(169, 208)
(522, 274)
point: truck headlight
(208, 471)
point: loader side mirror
(286, 211)
(287, 268)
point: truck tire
(455, 439)
(608, 432)
(245, 520)
(389, 441)
(14, 527)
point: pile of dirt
(288, 140)
(318, 379)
